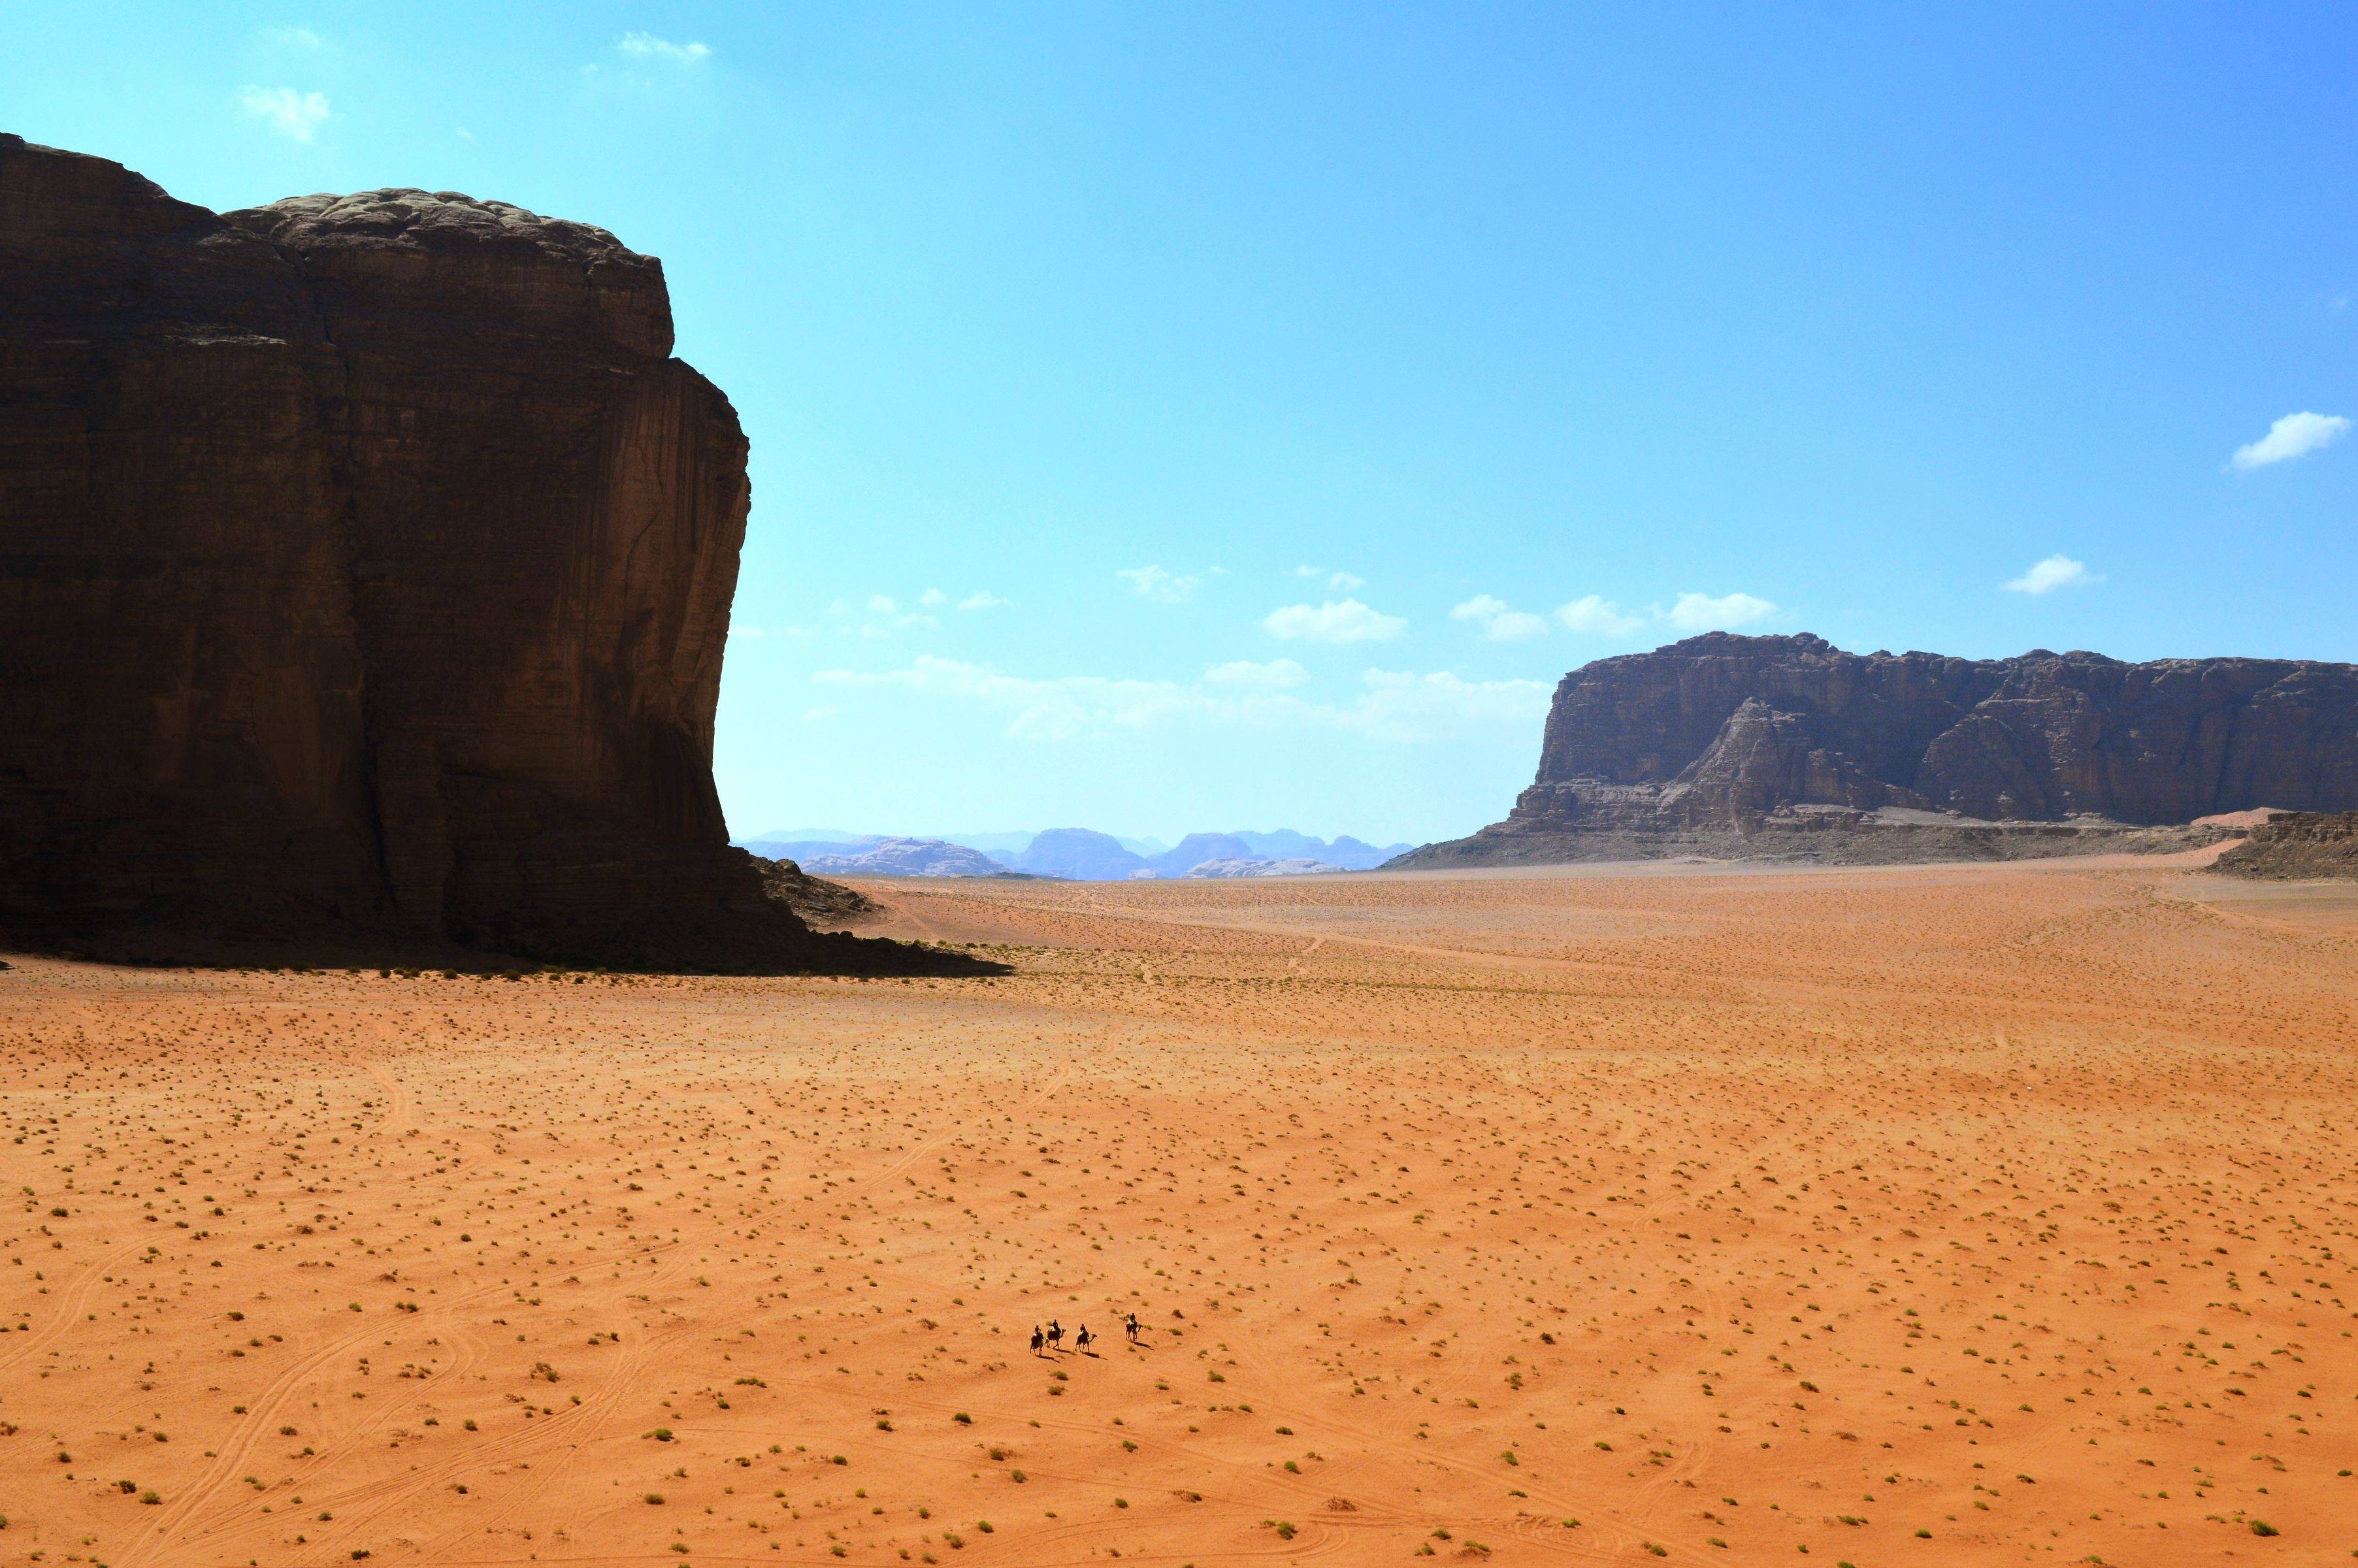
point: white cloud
(1153, 583)
(895, 618)
(2294, 436)
(284, 110)
(1390, 705)
(2054, 572)
(1068, 706)
(293, 38)
(1345, 622)
(824, 711)
(646, 46)
(1499, 624)
(933, 596)
(1344, 582)
(1245, 675)
(985, 600)
(1310, 571)
(1702, 612)
(1400, 706)
(1599, 617)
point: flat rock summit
(1727, 744)
(365, 566)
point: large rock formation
(365, 565)
(2296, 846)
(1789, 744)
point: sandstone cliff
(2298, 846)
(1722, 743)
(365, 564)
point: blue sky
(1199, 416)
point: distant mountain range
(1078, 854)
(895, 858)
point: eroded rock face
(1740, 736)
(2296, 846)
(364, 559)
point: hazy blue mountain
(1197, 848)
(1281, 843)
(1080, 854)
(1087, 855)
(1357, 855)
(800, 851)
(1346, 852)
(901, 858)
(1005, 846)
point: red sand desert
(1893, 1218)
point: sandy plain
(1916, 1217)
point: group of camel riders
(1053, 1338)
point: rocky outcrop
(2296, 846)
(820, 905)
(1723, 743)
(365, 564)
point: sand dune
(1925, 1216)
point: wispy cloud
(984, 600)
(1398, 706)
(1278, 674)
(2054, 572)
(895, 618)
(1594, 616)
(1347, 621)
(2294, 436)
(1498, 622)
(646, 46)
(1389, 705)
(1153, 583)
(293, 38)
(1060, 708)
(1703, 612)
(284, 110)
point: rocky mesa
(1723, 744)
(2296, 846)
(365, 566)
